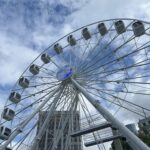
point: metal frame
(134, 141)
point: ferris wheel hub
(64, 73)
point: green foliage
(144, 136)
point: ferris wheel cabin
(138, 28)
(58, 49)
(15, 97)
(8, 114)
(24, 82)
(45, 58)
(4, 133)
(71, 40)
(34, 69)
(102, 29)
(120, 27)
(86, 34)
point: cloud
(102, 10)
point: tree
(143, 134)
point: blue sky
(29, 26)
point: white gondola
(34, 69)
(58, 49)
(4, 133)
(8, 114)
(120, 27)
(138, 28)
(86, 34)
(45, 58)
(102, 29)
(15, 97)
(71, 40)
(24, 82)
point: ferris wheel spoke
(71, 128)
(145, 45)
(113, 51)
(82, 55)
(90, 122)
(45, 70)
(120, 91)
(87, 69)
(21, 111)
(108, 54)
(131, 53)
(22, 140)
(98, 53)
(34, 94)
(42, 77)
(24, 123)
(118, 70)
(38, 85)
(46, 121)
(85, 51)
(102, 82)
(124, 100)
(66, 119)
(38, 92)
(75, 47)
(138, 64)
(127, 107)
(121, 80)
(114, 61)
(126, 104)
(48, 107)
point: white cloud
(104, 9)
(14, 59)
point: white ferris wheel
(87, 81)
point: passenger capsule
(45, 58)
(58, 49)
(120, 27)
(15, 97)
(4, 133)
(71, 40)
(138, 28)
(86, 34)
(24, 82)
(8, 114)
(102, 29)
(34, 69)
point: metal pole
(25, 122)
(134, 140)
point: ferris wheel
(80, 88)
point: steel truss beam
(91, 129)
(92, 143)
